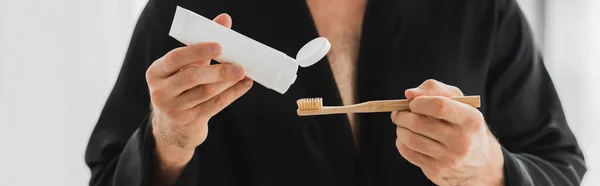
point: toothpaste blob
(263, 64)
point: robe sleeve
(121, 148)
(524, 110)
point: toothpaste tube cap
(313, 51)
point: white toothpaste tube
(263, 64)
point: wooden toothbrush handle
(402, 105)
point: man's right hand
(186, 91)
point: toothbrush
(314, 106)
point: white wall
(569, 35)
(573, 53)
(58, 62)
(535, 10)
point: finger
(446, 109)
(437, 130)
(202, 93)
(414, 157)
(433, 88)
(223, 19)
(219, 102)
(197, 75)
(419, 143)
(181, 57)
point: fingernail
(216, 48)
(247, 82)
(237, 71)
(415, 89)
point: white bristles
(310, 104)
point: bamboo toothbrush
(314, 106)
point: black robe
(484, 47)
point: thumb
(433, 88)
(223, 19)
(413, 92)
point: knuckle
(190, 75)
(399, 145)
(202, 119)
(155, 99)
(415, 122)
(475, 121)
(412, 141)
(157, 93)
(478, 118)
(439, 105)
(397, 118)
(220, 100)
(173, 56)
(199, 48)
(470, 119)
(223, 73)
(208, 90)
(407, 154)
(210, 47)
(455, 90)
(199, 51)
(402, 149)
(398, 132)
(431, 83)
(149, 74)
(240, 91)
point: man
(174, 118)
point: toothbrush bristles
(310, 104)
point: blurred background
(59, 60)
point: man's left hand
(447, 139)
